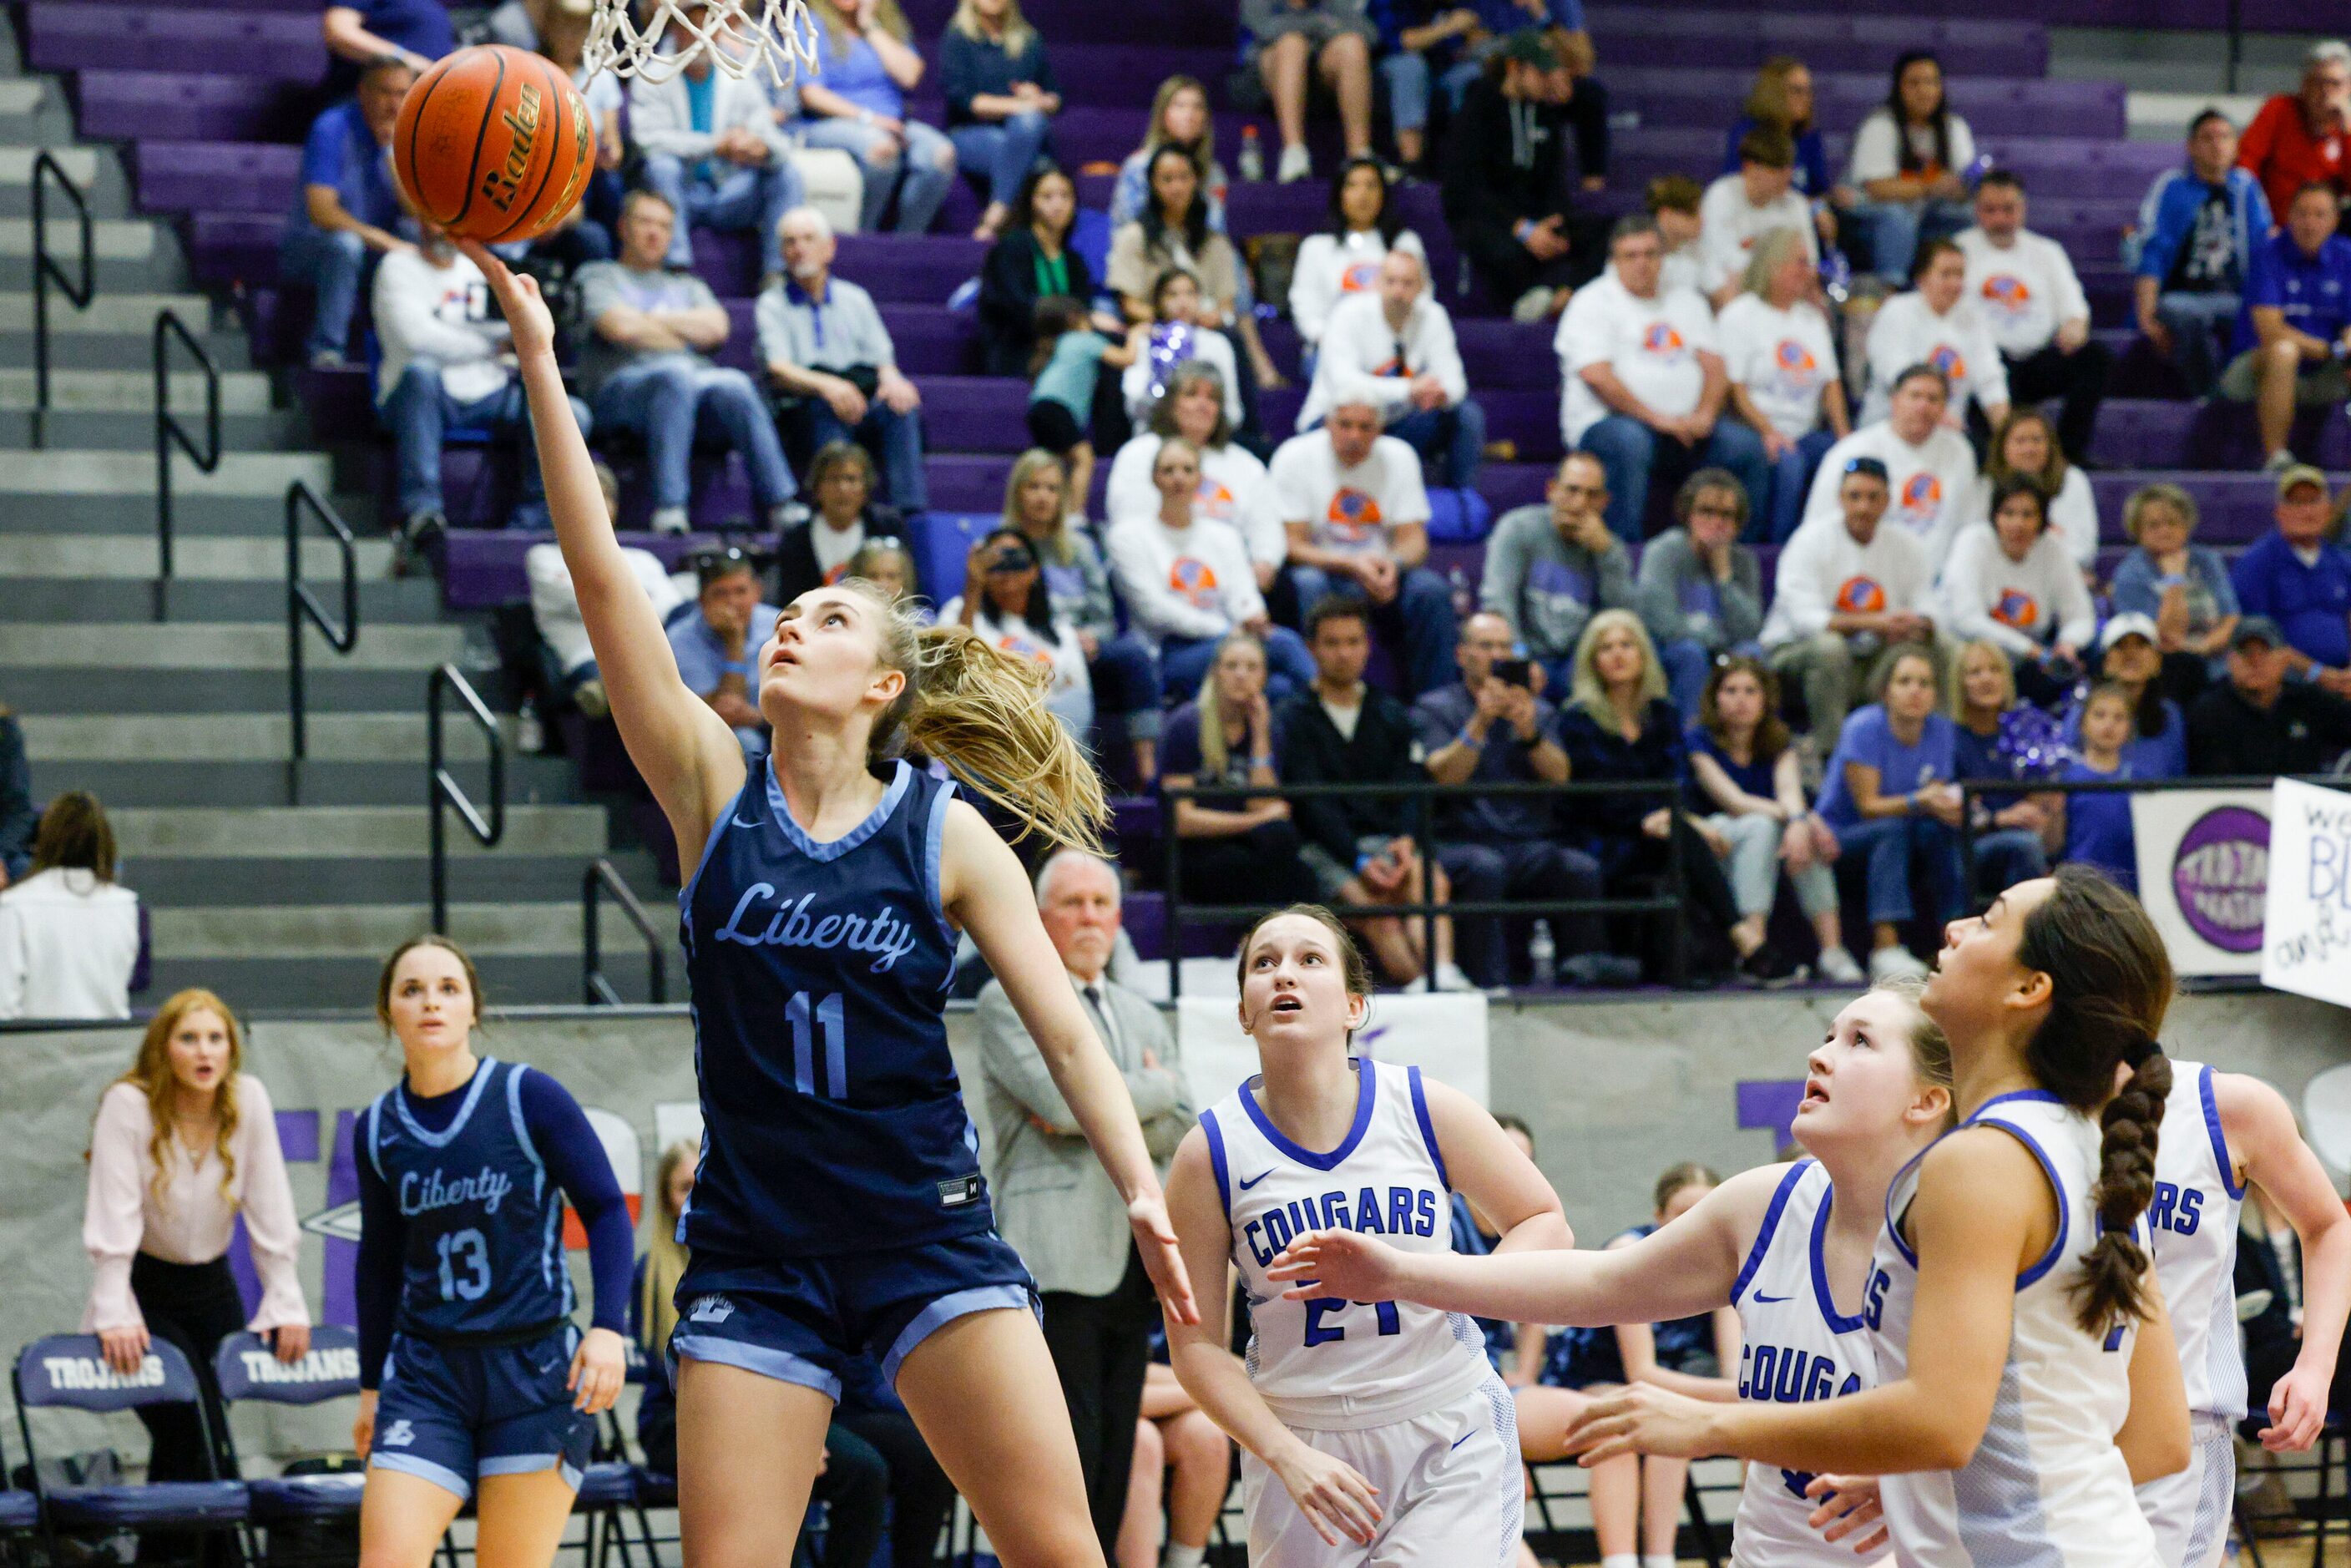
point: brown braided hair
(2110, 985)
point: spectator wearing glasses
(855, 100)
(2300, 138)
(1931, 469)
(1847, 589)
(1492, 726)
(2198, 230)
(1551, 568)
(1238, 847)
(2031, 303)
(1646, 385)
(1394, 348)
(718, 647)
(1908, 163)
(1937, 324)
(2294, 325)
(2013, 582)
(1704, 589)
(1783, 365)
(2183, 589)
(1740, 208)
(1345, 259)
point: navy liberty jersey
(833, 1119)
(485, 1224)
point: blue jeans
(1628, 450)
(1791, 481)
(1453, 438)
(1003, 151)
(1126, 685)
(331, 264)
(420, 410)
(894, 438)
(1687, 663)
(1894, 229)
(2195, 320)
(2006, 856)
(1420, 616)
(1183, 664)
(1407, 75)
(1890, 848)
(1524, 869)
(919, 171)
(738, 199)
(663, 402)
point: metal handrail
(170, 432)
(600, 878)
(1425, 792)
(45, 270)
(301, 605)
(442, 789)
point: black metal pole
(592, 947)
(1168, 809)
(437, 838)
(40, 303)
(2236, 42)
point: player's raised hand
(518, 299)
(1155, 1242)
(1339, 1263)
(1849, 1509)
(599, 1368)
(1334, 1496)
(1642, 1418)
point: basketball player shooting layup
(839, 1207)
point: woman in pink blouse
(184, 1142)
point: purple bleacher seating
(218, 176)
(2148, 433)
(68, 34)
(190, 107)
(909, 269)
(1657, 36)
(484, 567)
(1682, 95)
(1198, 22)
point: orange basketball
(493, 144)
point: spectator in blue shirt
(358, 33)
(348, 206)
(2182, 588)
(2098, 822)
(1001, 100)
(855, 100)
(1782, 97)
(2198, 230)
(2155, 744)
(2297, 303)
(2298, 578)
(1888, 795)
(718, 647)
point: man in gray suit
(1053, 1201)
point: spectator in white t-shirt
(1235, 488)
(1784, 380)
(565, 653)
(2011, 581)
(1674, 200)
(2025, 445)
(1394, 348)
(1909, 159)
(1344, 260)
(1741, 209)
(1646, 385)
(1931, 469)
(1358, 521)
(1937, 324)
(69, 933)
(2023, 286)
(1847, 589)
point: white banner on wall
(2203, 874)
(1444, 1036)
(2306, 948)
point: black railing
(301, 605)
(600, 879)
(46, 271)
(1426, 837)
(442, 788)
(170, 432)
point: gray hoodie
(1547, 588)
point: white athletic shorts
(1451, 1491)
(2189, 1509)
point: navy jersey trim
(1779, 1195)
(935, 840)
(2056, 1191)
(730, 818)
(1217, 1161)
(1822, 1295)
(875, 819)
(483, 1071)
(2228, 1182)
(1367, 1079)
(1427, 1127)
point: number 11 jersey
(1329, 1365)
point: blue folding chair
(68, 1372)
(20, 1516)
(249, 1371)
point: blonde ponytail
(981, 711)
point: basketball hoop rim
(778, 36)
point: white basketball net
(778, 37)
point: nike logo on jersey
(1252, 1181)
(1463, 1438)
(711, 1309)
(741, 823)
(1760, 1297)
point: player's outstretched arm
(1335, 1498)
(2259, 1129)
(689, 758)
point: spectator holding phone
(1005, 601)
(1238, 848)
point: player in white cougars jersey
(2025, 1371)
(1787, 1245)
(2223, 1132)
(1374, 1432)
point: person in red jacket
(2304, 136)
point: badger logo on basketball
(500, 185)
(1860, 596)
(2016, 608)
(1195, 581)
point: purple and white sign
(2203, 874)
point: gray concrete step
(95, 171)
(113, 313)
(128, 254)
(280, 934)
(164, 779)
(360, 832)
(84, 473)
(218, 647)
(130, 349)
(127, 552)
(201, 881)
(85, 391)
(311, 985)
(410, 601)
(392, 736)
(114, 689)
(136, 432)
(194, 517)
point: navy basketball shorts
(802, 1320)
(451, 1413)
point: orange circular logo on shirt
(1860, 596)
(1213, 499)
(2005, 293)
(1922, 494)
(1661, 339)
(1358, 277)
(1354, 514)
(1950, 362)
(2018, 609)
(1195, 581)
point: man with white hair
(2303, 136)
(1393, 347)
(1053, 1202)
(826, 349)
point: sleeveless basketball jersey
(2047, 1486)
(485, 1223)
(1794, 1347)
(833, 1121)
(2194, 1218)
(1330, 1364)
